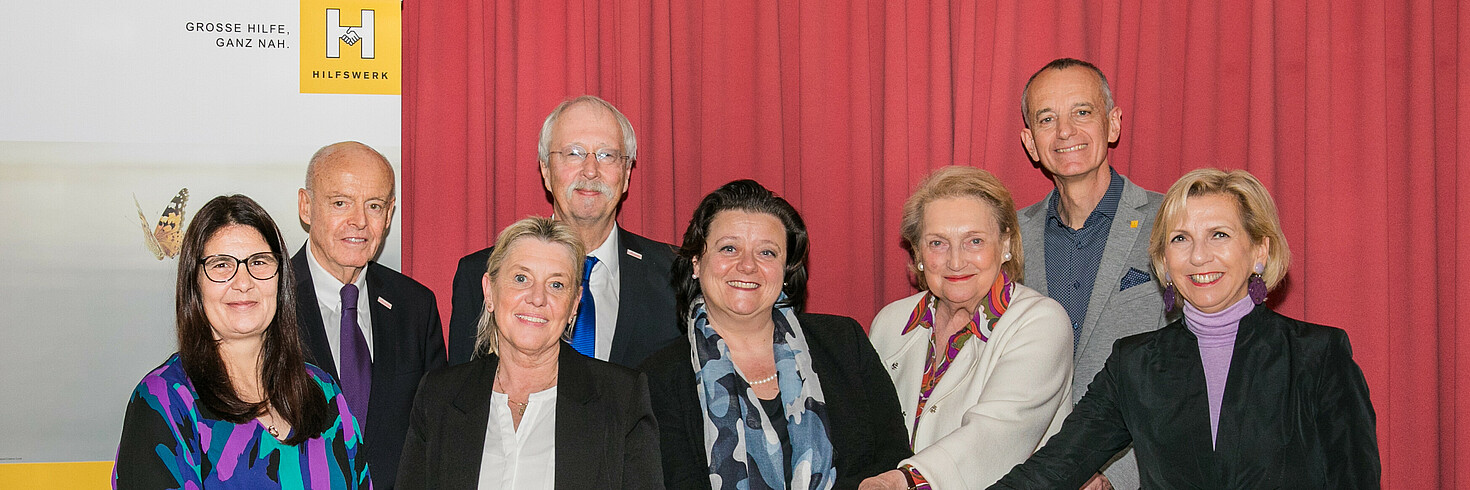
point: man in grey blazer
(1086, 242)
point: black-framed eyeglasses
(222, 267)
(576, 155)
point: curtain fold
(1356, 115)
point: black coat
(408, 341)
(605, 432)
(867, 431)
(1295, 414)
(646, 319)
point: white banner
(103, 102)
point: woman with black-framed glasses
(237, 406)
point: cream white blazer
(999, 401)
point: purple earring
(1170, 295)
(1257, 286)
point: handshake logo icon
(350, 34)
(351, 37)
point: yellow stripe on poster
(81, 476)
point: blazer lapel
(1255, 407)
(464, 428)
(631, 272)
(580, 430)
(1182, 385)
(309, 316)
(1033, 240)
(908, 367)
(385, 343)
(1121, 238)
(960, 370)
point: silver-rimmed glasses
(576, 155)
(222, 267)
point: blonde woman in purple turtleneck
(1233, 394)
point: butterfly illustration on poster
(165, 238)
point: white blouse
(524, 458)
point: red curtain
(1351, 112)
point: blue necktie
(357, 363)
(584, 333)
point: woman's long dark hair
(283, 375)
(749, 196)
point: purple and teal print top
(170, 440)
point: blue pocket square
(1132, 278)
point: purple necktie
(357, 362)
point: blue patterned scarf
(742, 448)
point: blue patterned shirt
(1073, 256)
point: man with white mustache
(586, 155)
(1086, 242)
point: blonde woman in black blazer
(605, 436)
(604, 430)
(1233, 394)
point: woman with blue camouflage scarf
(758, 394)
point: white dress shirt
(522, 457)
(329, 300)
(605, 281)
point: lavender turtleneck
(1216, 334)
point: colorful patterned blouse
(993, 305)
(170, 440)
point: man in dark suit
(1086, 243)
(586, 155)
(376, 330)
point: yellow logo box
(351, 47)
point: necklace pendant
(520, 408)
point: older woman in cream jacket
(981, 363)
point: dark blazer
(605, 433)
(868, 435)
(408, 341)
(646, 319)
(1296, 414)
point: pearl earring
(921, 267)
(1007, 257)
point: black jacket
(645, 301)
(867, 431)
(605, 433)
(1295, 414)
(408, 341)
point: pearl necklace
(767, 379)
